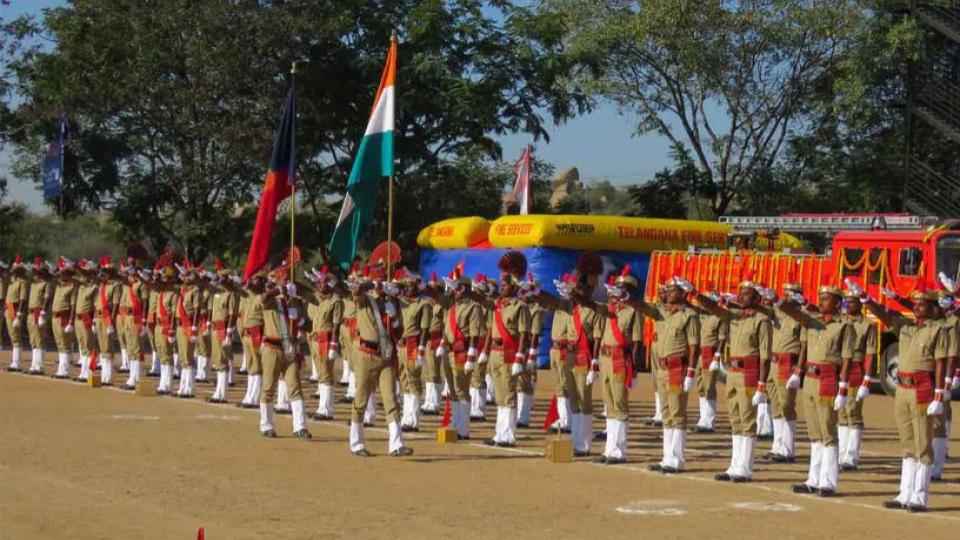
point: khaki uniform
(278, 350)
(592, 324)
(478, 378)
(251, 316)
(40, 292)
(165, 329)
(107, 302)
(828, 343)
(713, 337)
(515, 318)
(15, 309)
(188, 317)
(561, 355)
(417, 314)
(131, 320)
(223, 313)
(616, 359)
(953, 350)
(325, 314)
(920, 346)
(84, 324)
(468, 321)
(152, 295)
(373, 363)
(348, 335)
(64, 299)
(432, 370)
(679, 330)
(750, 343)
(786, 355)
(528, 379)
(4, 283)
(204, 328)
(865, 343)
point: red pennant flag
(446, 414)
(94, 357)
(553, 414)
(200, 535)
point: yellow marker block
(145, 389)
(93, 381)
(447, 436)
(560, 450)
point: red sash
(459, 342)
(855, 374)
(674, 373)
(510, 345)
(105, 314)
(137, 307)
(87, 319)
(706, 357)
(221, 329)
(185, 321)
(165, 322)
(828, 383)
(784, 366)
(413, 343)
(435, 338)
(620, 363)
(582, 353)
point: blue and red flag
(279, 184)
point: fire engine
(892, 251)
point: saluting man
(107, 302)
(41, 290)
(85, 317)
(783, 360)
(188, 330)
(461, 332)
(713, 339)
(132, 316)
(416, 314)
(920, 392)
(18, 290)
(165, 331)
(850, 430)
(325, 312)
(62, 306)
(432, 373)
(251, 336)
(223, 317)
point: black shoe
(722, 477)
(282, 411)
(463, 437)
(657, 423)
(826, 493)
(345, 399)
(211, 399)
(12, 369)
(123, 370)
(363, 452)
(231, 384)
(616, 461)
(240, 405)
(128, 387)
(916, 509)
(241, 372)
(894, 505)
(936, 479)
(402, 451)
(35, 372)
(506, 445)
(656, 467)
(342, 384)
(804, 489)
(599, 436)
(426, 412)
(251, 406)
(185, 396)
(523, 426)
(699, 429)
(671, 470)
(320, 417)
(578, 453)
(106, 383)
(408, 429)
(368, 424)
(600, 460)
(739, 479)
(270, 434)
(489, 442)
(153, 374)
(302, 434)
(480, 419)
(313, 379)
(163, 392)
(846, 467)
(61, 376)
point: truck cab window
(910, 259)
(873, 276)
(852, 256)
(948, 256)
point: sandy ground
(82, 463)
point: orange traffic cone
(200, 535)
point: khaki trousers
(819, 414)
(185, 348)
(321, 362)
(583, 392)
(707, 383)
(372, 373)
(740, 409)
(164, 347)
(410, 380)
(504, 383)
(614, 390)
(65, 342)
(16, 332)
(86, 339)
(432, 370)
(105, 338)
(478, 378)
(673, 402)
(220, 354)
(253, 356)
(561, 364)
(457, 378)
(914, 426)
(276, 365)
(132, 339)
(35, 332)
(851, 416)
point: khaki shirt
(86, 296)
(514, 315)
(276, 324)
(17, 290)
(786, 333)
(537, 316)
(920, 345)
(39, 294)
(417, 315)
(828, 341)
(437, 314)
(628, 321)
(369, 309)
(468, 320)
(679, 329)
(593, 320)
(325, 314)
(139, 291)
(559, 329)
(713, 330)
(64, 296)
(751, 334)
(190, 299)
(252, 309)
(168, 300)
(223, 306)
(152, 300)
(865, 342)
(111, 291)
(953, 338)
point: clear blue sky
(601, 144)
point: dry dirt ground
(81, 463)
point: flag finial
(393, 35)
(294, 67)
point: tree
(173, 110)
(728, 81)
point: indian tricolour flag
(374, 161)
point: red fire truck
(895, 251)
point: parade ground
(81, 463)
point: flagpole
(293, 198)
(393, 39)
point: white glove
(516, 368)
(469, 366)
(227, 341)
(531, 353)
(948, 283)
(353, 285)
(760, 396)
(519, 359)
(170, 339)
(472, 352)
(955, 382)
(16, 321)
(715, 363)
(683, 284)
(291, 289)
(68, 329)
(793, 382)
(440, 351)
(292, 313)
(864, 389)
(230, 331)
(798, 298)
(936, 406)
(591, 377)
(946, 302)
(483, 358)
(769, 294)
(531, 365)
(41, 321)
(888, 293)
(143, 331)
(839, 402)
(193, 338)
(332, 353)
(688, 381)
(111, 330)
(419, 361)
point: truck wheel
(889, 368)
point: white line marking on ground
(132, 417)
(767, 507)
(652, 508)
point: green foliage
(173, 109)
(47, 236)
